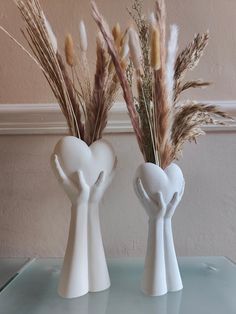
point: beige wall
(34, 212)
(21, 81)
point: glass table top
(209, 288)
(9, 267)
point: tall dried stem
(161, 125)
(85, 109)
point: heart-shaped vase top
(74, 155)
(155, 179)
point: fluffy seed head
(135, 50)
(125, 48)
(69, 50)
(83, 37)
(152, 20)
(117, 35)
(51, 34)
(155, 56)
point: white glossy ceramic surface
(160, 192)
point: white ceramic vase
(160, 192)
(84, 172)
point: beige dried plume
(50, 32)
(188, 121)
(155, 49)
(135, 50)
(117, 34)
(161, 125)
(84, 107)
(69, 50)
(127, 92)
(83, 37)
(187, 60)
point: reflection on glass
(97, 302)
(209, 283)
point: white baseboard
(48, 119)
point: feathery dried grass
(135, 51)
(188, 121)
(161, 125)
(84, 108)
(144, 100)
(43, 48)
(155, 49)
(127, 93)
(117, 34)
(188, 59)
(193, 84)
(96, 111)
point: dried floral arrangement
(85, 104)
(161, 124)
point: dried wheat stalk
(127, 92)
(187, 60)
(144, 99)
(188, 120)
(161, 125)
(84, 107)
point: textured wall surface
(21, 82)
(34, 212)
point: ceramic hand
(174, 282)
(174, 202)
(99, 277)
(155, 208)
(102, 183)
(77, 192)
(154, 277)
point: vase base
(176, 289)
(149, 291)
(72, 295)
(154, 294)
(82, 293)
(94, 290)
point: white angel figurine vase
(160, 192)
(84, 172)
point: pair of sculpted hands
(84, 267)
(79, 192)
(156, 208)
(161, 272)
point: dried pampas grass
(188, 120)
(84, 102)
(135, 50)
(160, 123)
(170, 63)
(127, 92)
(187, 60)
(51, 35)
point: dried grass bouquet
(84, 103)
(161, 124)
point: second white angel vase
(84, 172)
(160, 192)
